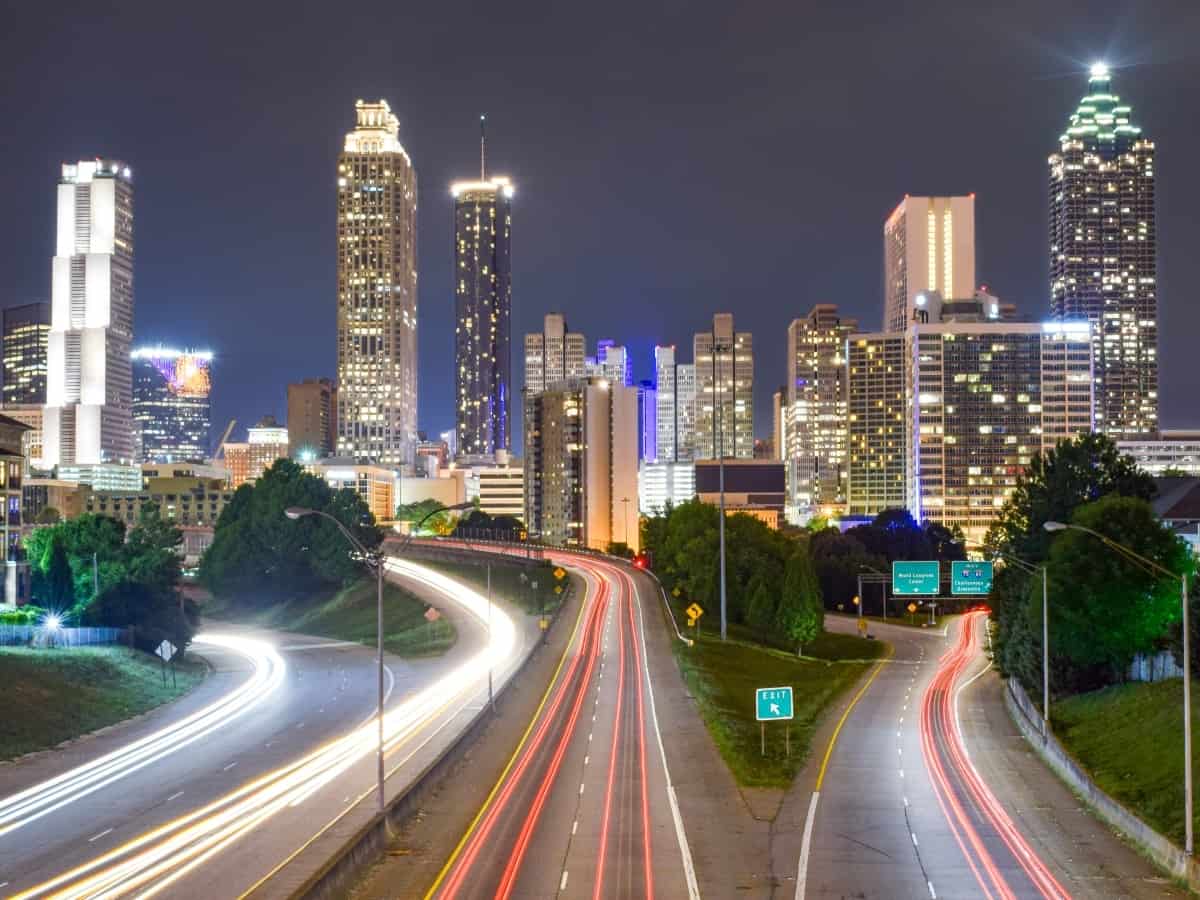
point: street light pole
(491, 696)
(1045, 653)
(719, 420)
(1149, 564)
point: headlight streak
(157, 859)
(42, 799)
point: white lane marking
(327, 645)
(685, 852)
(574, 826)
(905, 802)
(174, 796)
(230, 766)
(97, 837)
(806, 846)
(932, 892)
(586, 760)
(562, 885)
(581, 788)
(901, 773)
(589, 736)
(913, 834)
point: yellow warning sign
(694, 611)
(560, 573)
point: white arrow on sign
(775, 708)
(166, 650)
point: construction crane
(221, 444)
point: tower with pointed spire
(482, 307)
(1103, 245)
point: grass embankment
(54, 694)
(908, 620)
(350, 615)
(1130, 739)
(723, 676)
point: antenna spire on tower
(482, 147)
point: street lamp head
(52, 622)
(1055, 526)
(297, 512)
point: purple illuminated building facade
(171, 403)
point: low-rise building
(757, 487)
(375, 484)
(1168, 451)
(12, 466)
(265, 443)
(660, 483)
(185, 501)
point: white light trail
(155, 860)
(42, 799)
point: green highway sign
(970, 577)
(773, 703)
(909, 578)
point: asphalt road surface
(583, 810)
(213, 818)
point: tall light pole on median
(719, 424)
(1151, 565)
(373, 559)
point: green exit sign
(911, 578)
(970, 578)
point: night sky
(671, 160)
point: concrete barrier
(1161, 851)
(342, 869)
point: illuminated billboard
(185, 373)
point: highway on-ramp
(585, 807)
(214, 817)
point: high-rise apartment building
(945, 416)
(483, 305)
(817, 403)
(676, 401)
(724, 366)
(876, 423)
(89, 399)
(377, 291)
(581, 464)
(928, 245)
(1103, 240)
(311, 418)
(26, 336)
(171, 403)
(553, 355)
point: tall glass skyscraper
(170, 403)
(88, 417)
(1102, 253)
(26, 335)
(482, 307)
(377, 291)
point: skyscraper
(676, 399)
(928, 245)
(88, 417)
(553, 354)
(724, 361)
(816, 407)
(311, 418)
(26, 337)
(377, 291)
(647, 420)
(483, 305)
(876, 423)
(1102, 253)
(613, 362)
(171, 403)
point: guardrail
(39, 635)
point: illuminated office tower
(647, 420)
(483, 306)
(928, 245)
(25, 339)
(676, 402)
(88, 417)
(171, 403)
(612, 362)
(724, 368)
(877, 440)
(816, 407)
(553, 354)
(1102, 254)
(377, 292)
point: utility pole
(491, 696)
(95, 576)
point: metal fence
(1155, 667)
(36, 635)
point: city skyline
(1044, 85)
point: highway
(583, 809)
(900, 809)
(191, 821)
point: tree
(801, 613)
(1107, 608)
(839, 559)
(434, 515)
(60, 585)
(259, 556)
(48, 516)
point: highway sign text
(915, 577)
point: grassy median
(54, 694)
(350, 615)
(1130, 740)
(723, 676)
